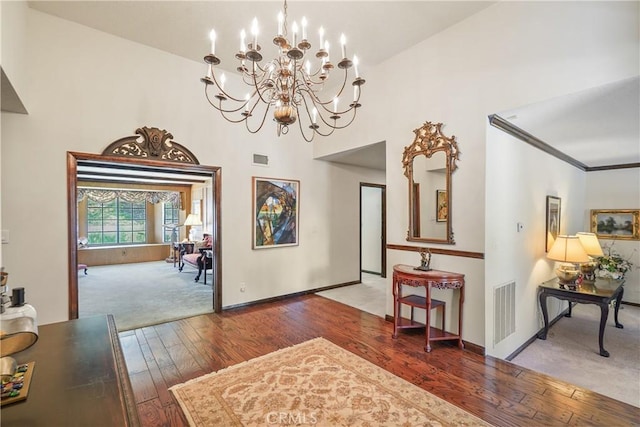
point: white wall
(96, 88)
(13, 45)
(508, 55)
(618, 189)
(519, 177)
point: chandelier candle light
(288, 83)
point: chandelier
(288, 84)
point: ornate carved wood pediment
(156, 144)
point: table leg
(568, 314)
(396, 309)
(460, 302)
(604, 314)
(615, 312)
(545, 315)
(427, 331)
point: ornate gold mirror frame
(431, 143)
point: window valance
(103, 195)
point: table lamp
(569, 251)
(592, 247)
(192, 219)
(18, 331)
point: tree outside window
(170, 216)
(116, 222)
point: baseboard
(558, 317)
(473, 348)
(377, 273)
(286, 296)
(535, 337)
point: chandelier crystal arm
(219, 108)
(315, 130)
(318, 101)
(264, 117)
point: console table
(600, 292)
(407, 275)
(79, 379)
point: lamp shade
(590, 243)
(568, 249)
(193, 219)
(19, 329)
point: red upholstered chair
(201, 258)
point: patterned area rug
(313, 383)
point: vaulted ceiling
(598, 127)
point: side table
(407, 275)
(600, 292)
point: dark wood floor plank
(153, 413)
(135, 358)
(143, 387)
(159, 351)
(497, 391)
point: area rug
(312, 383)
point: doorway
(373, 232)
(140, 167)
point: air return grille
(504, 311)
(260, 160)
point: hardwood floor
(497, 391)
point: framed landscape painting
(620, 224)
(553, 221)
(275, 212)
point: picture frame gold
(618, 224)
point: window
(116, 222)
(169, 216)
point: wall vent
(504, 311)
(260, 160)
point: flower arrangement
(612, 264)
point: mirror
(428, 164)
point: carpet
(571, 353)
(312, 383)
(143, 294)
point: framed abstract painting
(276, 206)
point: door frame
(383, 219)
(73, 158)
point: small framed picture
(441, 206)
(622, 224)
(275, 212)
(553, 221)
